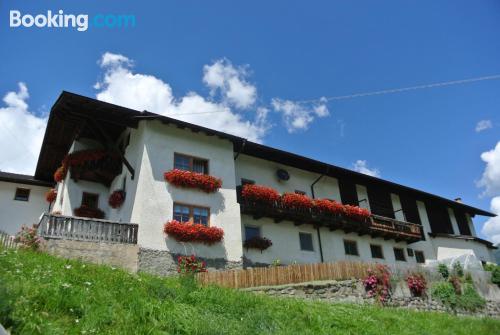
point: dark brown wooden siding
(463, 225)
(439, 218)
(348, 193)
(410, 208)
(380, 202)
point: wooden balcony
(84, 229)
(375, 226)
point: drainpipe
(317, 228)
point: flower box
(116, 199)
(87, 212)
(296, 201)
(357, 213)
(51, 195)
(187, 232)
(257, 242)
(260, 194)
(189, 179)
(327, 206)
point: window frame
(191, 212)
(346, 243)
(191, 162)
(303, 233)
(419, 252)
(403, 253)
(252, 227)
(381, 251)
(23, 189)
(87, 194)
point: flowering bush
(329, 206)
(60, 174)
(190, 265)
(357, 213)
(378, 283)
(88, 212)
(116, 199)
(51, 195)
(417, 284)
(28, 238)
(260, 194)
(186, 232)
(258, 242)
(296, 201)
(189, 179)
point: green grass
(41, 294)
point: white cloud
(146, 92)
(21, 133)
(362, 167)
(491, 228)
(490, 179)
(298, 116)
(483, 125)
(230, 82)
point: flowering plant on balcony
(257, 242)
(187, 232)
(28, 238)
(357, 213)
(329, 206)
(89, 212)
(60, 174)
(51, 195)
(260, 194)
(116, 199)
(378, 283)
(417, 284)
(80, 159)
(296, 201)
(189, 179)
(190, 265)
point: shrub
(28, 238)
(470, 300)
(443, 270)
(296, 201)
(189, 179)
(116, 199)
(468, 278)
(190, 265)
(457, 269)
(495, 275)
(444, 292)
(257, 242)
(260, 194)
(186, 232)
(417, 284)
(456, 283)
(378, 283)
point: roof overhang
(23, 179)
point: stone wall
(352, 291)
(114, 254)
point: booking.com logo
(61, 20)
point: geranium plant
(357, 213)
(260, 194)
(60, 174)
(80, 158)
(28, 238)
(116, 199)
(190, 265)
(378, 283)
(417, 284)
(51, 195)
(296, 201)
(329, 206)
(257, 242)
(187, 232)
(189, 179)
(88, 212)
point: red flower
(116, 199)
(87, 212)
(296, 201)
(329, 206)
(51, 195)
(60, 174)
(189, 265)
(378, 282)
(357, 213)
(417, 284)
(260, 194)
(186, 232)
(189, 179)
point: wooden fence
(280, 275)
(7, 241)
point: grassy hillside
(40, 294)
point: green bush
(470, 300)
(445, 292)
(495, 275)
(443, 270)
(458, 269)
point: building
(118, 149)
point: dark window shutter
(463, 225)
(348, 192)
(439, 218)
(380, 202)
(410, 209)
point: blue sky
(295, 51)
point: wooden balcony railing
(84, 229)
(376, 226)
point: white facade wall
(14, 213)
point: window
(351, 248)
(22, 194)
(399, 254)
(376, 251)
(300, 192)
(90, 200)
(192, 214)
(306, 241)
(410, 253)
(188, 163)
(251, 232)
(247, 182)
(419, 256)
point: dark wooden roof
(74, 115)
(23, 179)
